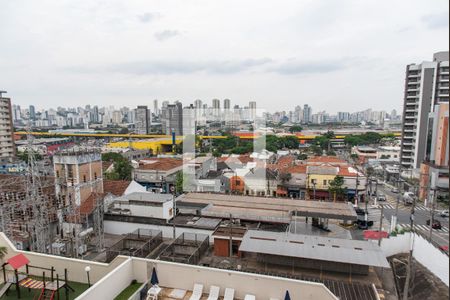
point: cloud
(148, 17)
(174, 67)
(293, 67)
(435, 21)
(166, 34)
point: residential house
(158, 174)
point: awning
(18, 261)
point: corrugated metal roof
(314, 247)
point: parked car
(381, 197)
(444, 214)
(395, 190)
(436, 224)
(362, 224)
(360, 211)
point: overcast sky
(336, 55)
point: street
(421, 215)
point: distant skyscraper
(343, 117)
(96, 117)
(426, 85)
(226, 104)
(393, 114)
(155, 107)
(7, 148)
(307, 114)
(198, 103)
(32, 113)
(252, 109)
(172, 118)
(142, 120)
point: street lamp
(88, 269)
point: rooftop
(148, 197)
(109, 280)
(314, 247)
(160, 164)
(266, 208)
(325, 159)
(115, 187)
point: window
(324, 182)
(95, 175)
(84, 178)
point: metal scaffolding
(27, 205)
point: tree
(335, 187)
(317, 150)
(285, 177)
(303, 156)
(179, 181)
(3, 252)
(295, 128)
(370, 171)
(290, 142)
(24, 156)
(122, 167)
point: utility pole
(432, 214)
(381, 226)
(231, 235)
(394, 218)
(410, 255)
(174, 204)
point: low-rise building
(158, 174)
(144, 204)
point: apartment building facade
(7, 148)
(426, 85)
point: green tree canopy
(335, 187)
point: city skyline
(134, 52)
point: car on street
(408, 198)
(395, 190)
(444, 214)
(436, 224)
(381, 197)
(360, 211)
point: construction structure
(28, 206)
(79, 190)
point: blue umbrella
(287, 296)
(154, 280)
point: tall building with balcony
(7, 149)
(426, 85)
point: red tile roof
(296, 169)
(325, 159)
(115, 187)
(344, 171)
(161, 164)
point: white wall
(111, 279)
(112, 284)
(424, 252)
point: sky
(335, 55)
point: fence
(139, 243)
(188, 248)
